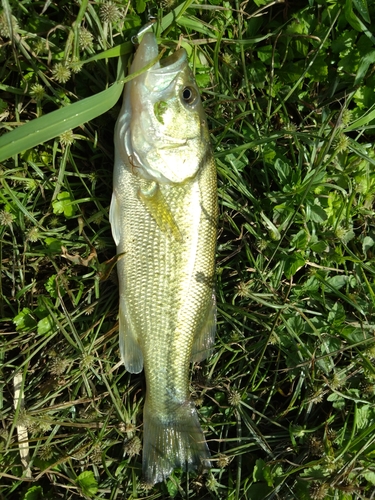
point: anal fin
(130, 350)
(205, 337)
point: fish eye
(189, 95)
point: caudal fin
(174, 442)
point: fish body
(163, 216)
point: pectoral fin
(131, 353)
(159, 209)
(205, 337)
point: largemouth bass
(163, 216)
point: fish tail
(173, 442)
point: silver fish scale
(164, 299)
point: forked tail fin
(175, 441)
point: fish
(163, 217)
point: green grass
(287, 400)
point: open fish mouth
(174, 61)
(148, 50)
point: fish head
(162, 129)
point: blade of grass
(53, 124)
(119, 50)
(49, 126)
(23, 437)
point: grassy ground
(287, 400)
